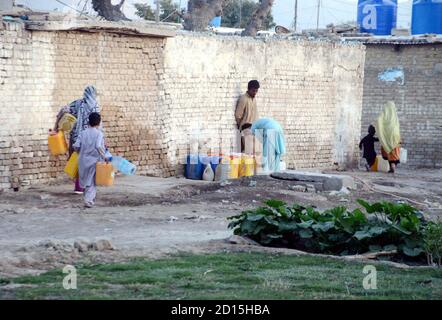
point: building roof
(397, 40)
(54, 21)
(127, 28)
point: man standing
(246, 113)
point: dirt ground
(43, 227)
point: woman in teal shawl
(270, 134)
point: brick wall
(154, 92)
(416, 91)
(42, 71)
(313, 89)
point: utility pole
(240, 13)
(317, 18)
(295, 21)
(157, 12)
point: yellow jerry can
(247, 168)
(234, 167)
(67, 122)
(57, 143)
(71, 167)
(105, 174)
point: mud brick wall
(410, 75)
(157, 94)
(314, 89)
(42, 71)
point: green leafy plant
(383, 226)
(433, 243)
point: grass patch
(230, 276)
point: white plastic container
(222, 171)
(208, 174)
(404, 155)
(383, 165)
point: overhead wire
(75, 9)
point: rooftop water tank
(377, 16)
(427, 17)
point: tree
(200, 12)
(237, 13)
(258, 18)
(169, 11)
(107, 10)
(144, 11)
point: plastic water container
(71, 167)
(380, 165)
(426, 17)
(57, 143)
(223, 170)
(204, 159)
(105, 174)
(123, 165)
(377, 16)
(67, 122)
(214, 162)
(235, 163)
(108, 155)
(194, 167)
(208, 174)
(247, 167)
(404, 155)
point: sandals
(89, 205)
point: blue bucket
(194, 167)
(214, 162)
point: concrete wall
(154, 92)
(410, 75)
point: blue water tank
(194, 167)
(215, 22)
(377, 16)
(427, 17)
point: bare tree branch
(121, 4)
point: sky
(331, 11)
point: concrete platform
(321, 182)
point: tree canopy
(169, 11)
(247, 14)
(237, 14)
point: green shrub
(433, 243)
(383, 226)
